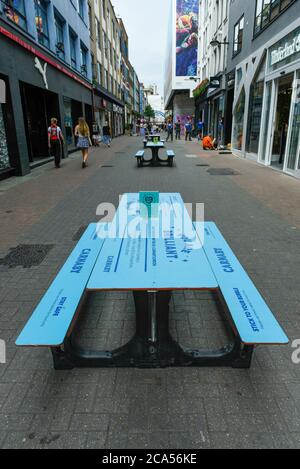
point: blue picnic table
(152, 259)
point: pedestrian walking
(178, 130)
(106, 134)
(169, 131)
(200, 129)
(96, 135)
(188, 131)
(55, 141)
(82, 132)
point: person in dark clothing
(188, 131)
(169, 131)
(106, 135)
(178, 130)
(200, 129)
(55, 141)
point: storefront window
(255, 111)
(238, 129)
(68, 122)
(294, 150)
(4, 157)
(266, 122)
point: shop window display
(294, 149)
(4, 157)
(255, 109)
(256, 103)
(238, 128)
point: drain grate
(26, 255)
(203, 165)
(79, 233)
(107, 166)
(222, 172)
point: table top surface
(171, 260)
(154, 145)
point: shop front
(108, 109)
(118, 118)
(266, 111)
(42, 88)
(280, 141)
(216, 119)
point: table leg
(155, 158)
(152, 345)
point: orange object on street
(207, 143)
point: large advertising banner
(187, 13)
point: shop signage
(2, 92)
(285, 49)
(215, 82)
(117, 109)
(42, 70)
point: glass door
(281, 120)
(266, 123)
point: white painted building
(180, 75)
(212, 61)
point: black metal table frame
(152, 345)
(155, 160)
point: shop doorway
(39, 106)
(281, 120)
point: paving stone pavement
(170, 408)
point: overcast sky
(146, 22)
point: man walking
(188, 131)
(170, 130)
(55, 140)
(200, 129)
(178, 129)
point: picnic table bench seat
(140, 156)
(252, 318)
(171, 156)
(53, 318)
